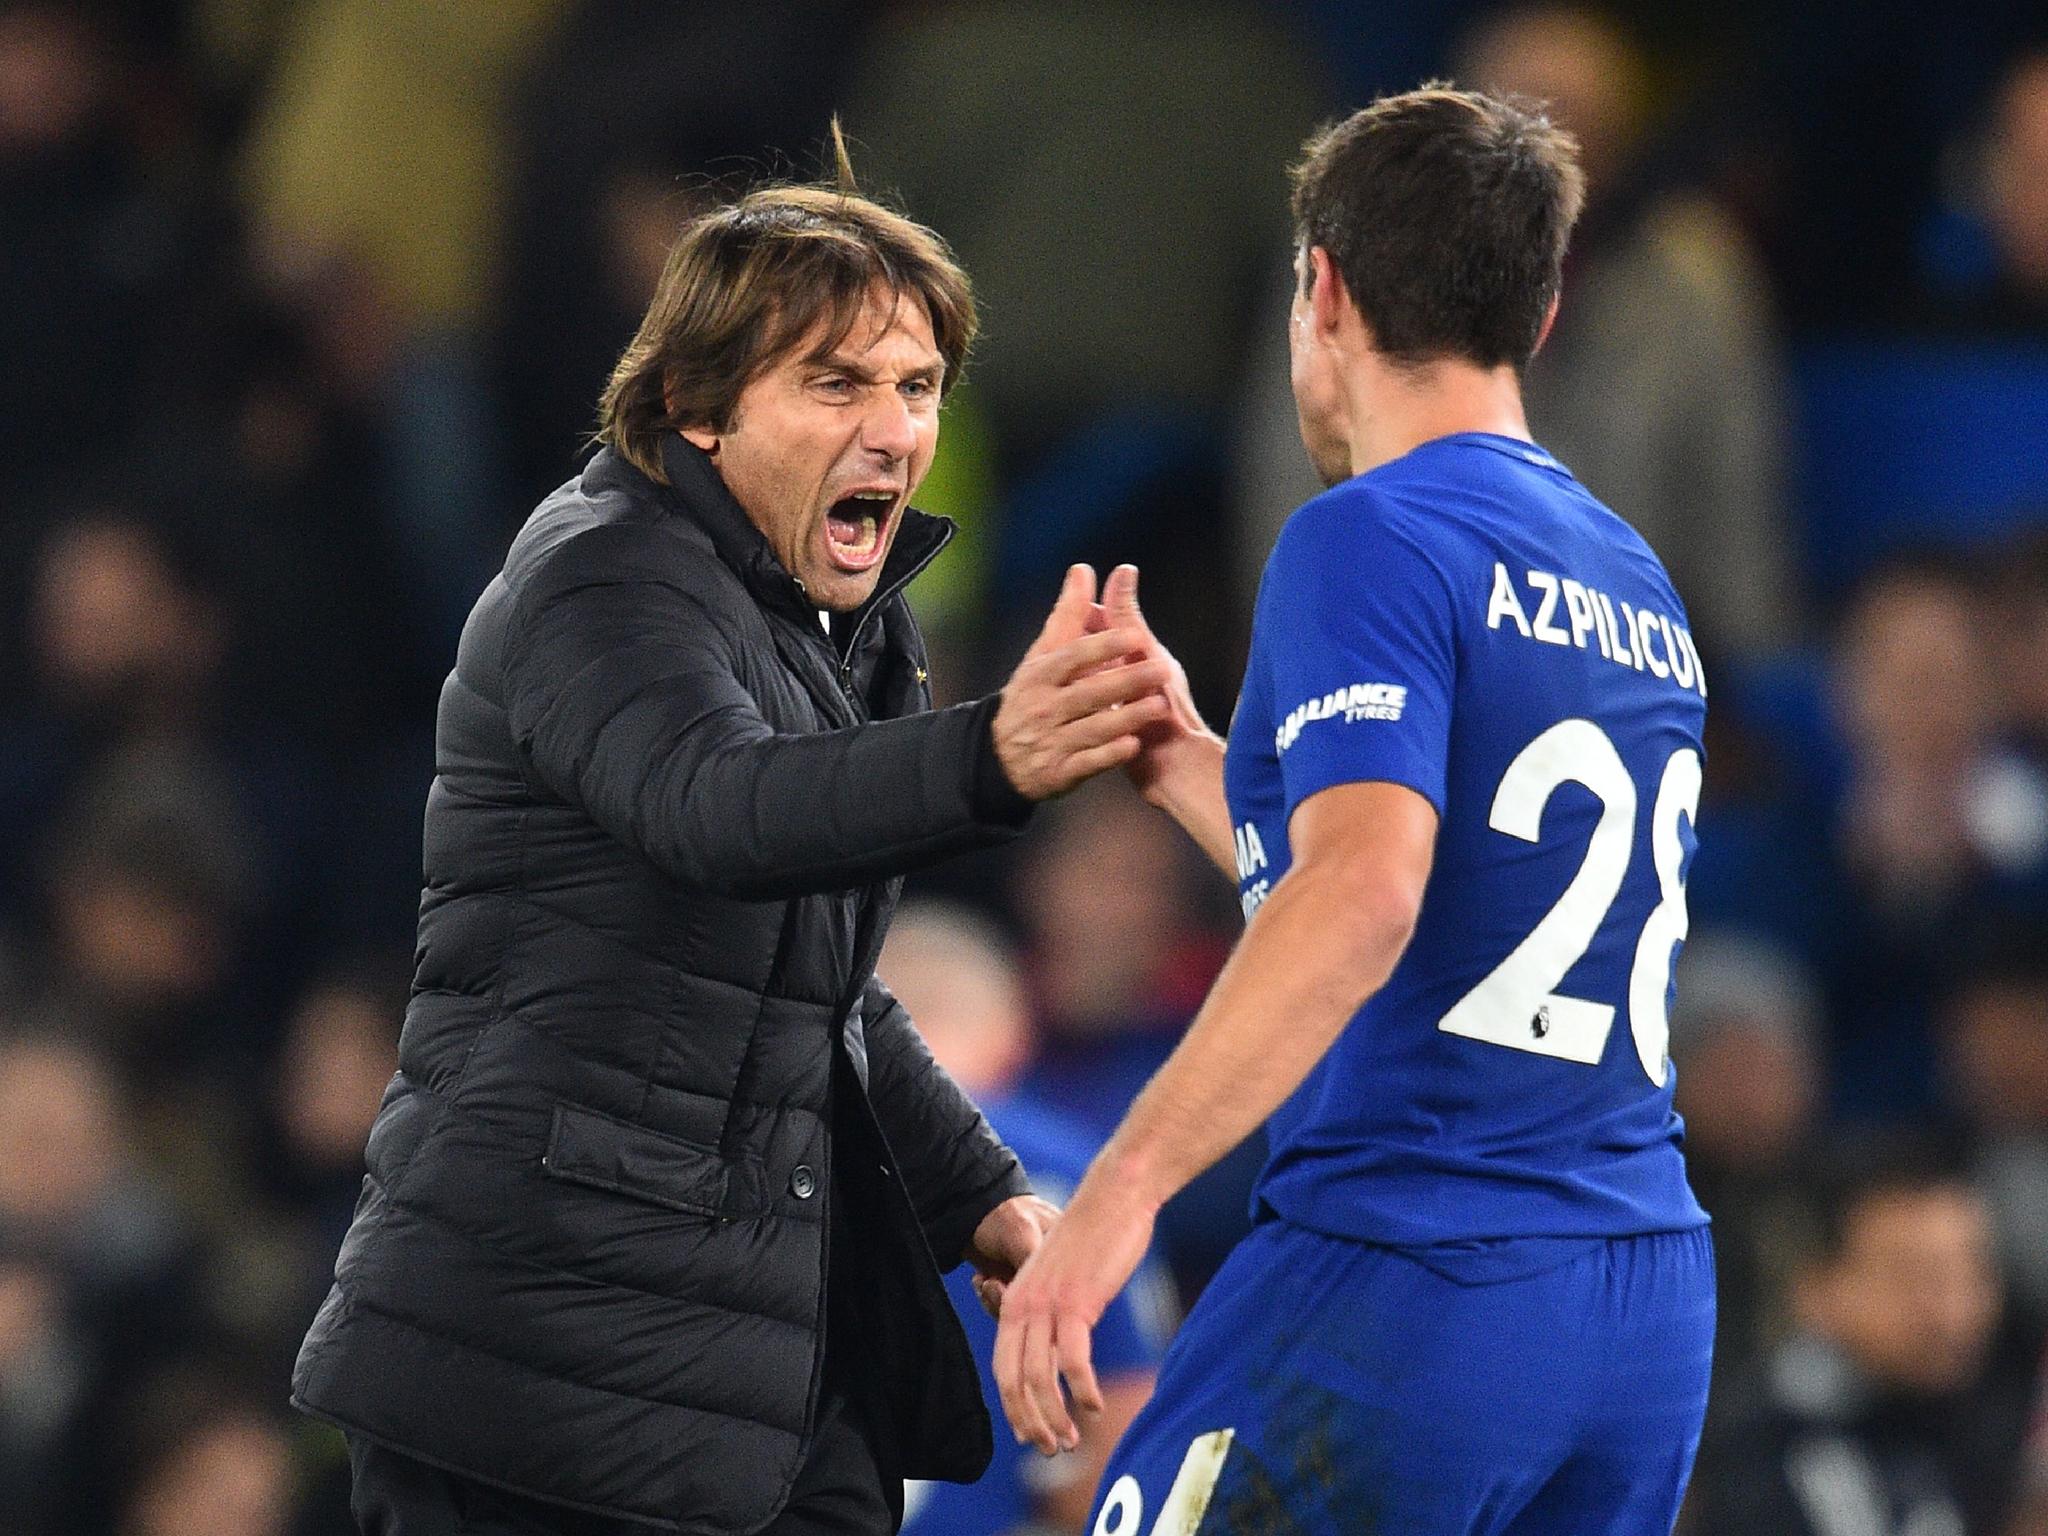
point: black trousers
(841, 1490)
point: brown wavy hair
(747, 281)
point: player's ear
(1327, 298)
(1543, 331)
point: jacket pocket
(586, 1147)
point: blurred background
(304, 303)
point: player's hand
(1005, 1238)
(1066, 713)
(1050, 1309)
(1164, 746)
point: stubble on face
(827, 444)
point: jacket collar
(702, 495)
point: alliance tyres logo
(1360, 701)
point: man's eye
(836, 385)
(919, 389)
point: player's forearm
(1189, 788)
(1317, 949)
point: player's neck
(1394, 411)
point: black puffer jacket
(661, 852)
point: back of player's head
(1446, 214)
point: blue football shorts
(1325, 1386)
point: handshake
(1095, 691)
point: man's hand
(1054, 1303)
(1006, 1237)
(1163, 746)
(1179, 763)
(1066, 714)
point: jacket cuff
(995, 798)
(951, 1233)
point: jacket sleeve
(955, 1166)
(625, 697)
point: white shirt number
(1517, 1004)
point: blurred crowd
(306, 302)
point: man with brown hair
(1457, 798)
(654, 1199)
(1889, 1407)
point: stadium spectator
(1745, 1047)
(340, 1049)
(124, 632)
(2016, 176)
(69, 1186)
(101, 242)
(1932, 802)
(1994, 1036)
(97, 1278)
(145, 887)
(2018, 614)
(206, 1455)
(1886, 1413)
(2032, 1516)
(1686, 441)
(44, 1369)
(375, 169)
(1117, 965)
(128, 692)
(1987, 254)
(956, 976)
(1939, 824)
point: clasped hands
(1095, 691)
(1047, 1276)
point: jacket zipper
(870, 609)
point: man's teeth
(857, 535)
(867, 524)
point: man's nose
(888, 427)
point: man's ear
(699, 436)
(1327, 299)
(1543, 332)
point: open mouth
(854, 526)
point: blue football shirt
(1469, 622)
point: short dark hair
(1446, 214)
(1858, 1168)
(746, 282)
